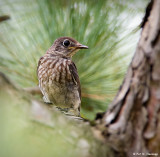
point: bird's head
(66, 46)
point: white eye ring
(66, 43)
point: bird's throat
(71, 54)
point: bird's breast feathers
(57, 69)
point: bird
(58, 77)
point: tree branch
(132, 120)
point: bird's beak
(80, 46)
(76, 48)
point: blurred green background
(106, 26)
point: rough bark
(132, 123)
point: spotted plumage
(58, 76)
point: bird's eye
(66, 43)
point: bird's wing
(39, 63)
(75, 77)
